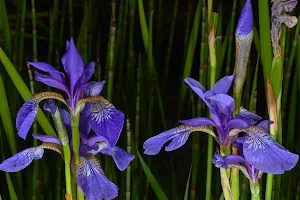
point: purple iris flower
(221, 107)
(89, 175)
(260, 149)
(104, 117)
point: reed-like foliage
(144, 50)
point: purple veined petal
(245, 23)
(249, 115)
(265, 124)
(95, 89)
(51, 82)
(199, 121)
(85, 123)
(179, 135)
(25, 117)
(47, 138)
(21, 160)
(265, 154)
(50, 106)
(237, 123)
(121, 158)
(224, 102)
(92, 181)
(106, 120)
(73, 64)
(45, 67)
(223, 85)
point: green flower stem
(224, 174)
(75, 135)
(63, 136)
(254, 190)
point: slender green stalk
(35, 181)
(22, 30)
(128, 170)
(190, 55)
(34, 40)
(188, 25)
(62, 24)
(230, 39)
(4, 26)
(71, 18)
(255, 195)
(53, 20)
(170, 43)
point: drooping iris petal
(121, 157)
(223, 85)
(237, 123)
(265, 154)
(25, 117)
(95, 89)
(244, 26)
(47, 138)
(54, 73)
(21, 160)
(106, 120)
(199, 121)
(73, 64)
(224, 102)
(51, 82)
(153, 145)
(92, 181)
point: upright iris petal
(73, 64)
(265, 154)
(21, 160)
(92, 181)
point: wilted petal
(95, 89)
(289, 21)
(45, 67)
(73, 64)
(92, 181)
(265, 154)
(51, 82)
(121, 157)
(224, 102)
(106, 120)
(153, 145)
(289, 6)
(47, 138)
(21, 160)
(245, 23)
(199, 121)
(25, 117)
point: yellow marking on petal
(236, 131)
(52, 146)
(48, 95)
(198, 128)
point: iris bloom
(89, 175)
(104, 117)
(221, 107)
(83, 102)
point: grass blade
(186, 194)
(154, 184)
